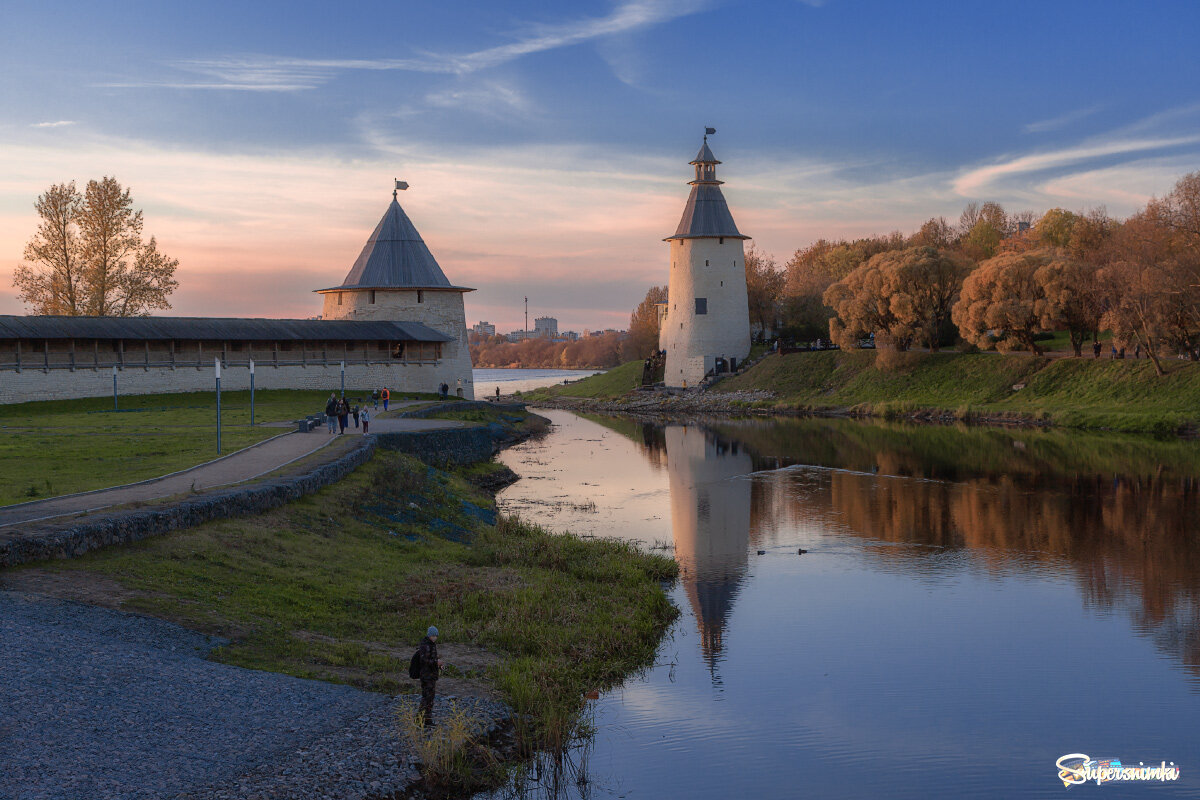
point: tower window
(701, 305)
(339, 298)
(706, 262)
(420, 296)
(721, 240)
(372, 296)
(722, 283)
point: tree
(643, 323)
(55, 284)
(898, 296)
(936, 232)
(1055, 227)
(1072, 299)
(999, 302)
(90, 258)
(925, 285)
(764, 288)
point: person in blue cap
(430, 669)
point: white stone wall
(440, 309)
(62, 384)
(715, 270)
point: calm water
(522, 380)
(974, 605)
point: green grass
(1088, 393)
(613, 383)
(341, 585)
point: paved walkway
(244, 465)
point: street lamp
(114, 387)
(217, 368)
(252, 393)
(343, 379)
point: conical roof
(705, 156)
(395, 257)
(706, 215)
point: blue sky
(547, 143)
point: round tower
(397, 278)
(706, 327)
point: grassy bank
(340, 586)
(1087, 393)
(64, 446)
(1122, 395)
(607, 385)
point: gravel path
(101, 704)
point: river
(974, 603)
(522, 380)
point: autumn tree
(898, 296)
(54, 283)
(643, 323)
(764, 288)
(89, 257)
(1072, 299)
(936, 232)
(925, 285)
(999, 304)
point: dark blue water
(972, 606)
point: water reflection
(710, 526)
(969, 593)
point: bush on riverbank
(341, 585)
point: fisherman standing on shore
(430, 668)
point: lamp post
(343, 379)
(114, 387)
(217, 368)
(252, 393)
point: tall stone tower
(396, 278)
(707, 316)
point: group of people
(339, 412)
(1118, 354)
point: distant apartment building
(517, 336)
(545, 328)
(484, 329)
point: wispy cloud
(62, 123)
(490, 98)
(286, 74)
(1061, 121)
(975, 181)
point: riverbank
(1103, 394)
(340, 586)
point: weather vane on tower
(400, 187)
(709, 132)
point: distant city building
(517, 336)
(484, 329)
(545, 327)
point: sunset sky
(547, 143)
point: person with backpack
(425, 666)
(331, 412)
(386, 395)
(343, 414)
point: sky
(546, 144)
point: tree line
(88, 257)
(993, 281)
(592, 352)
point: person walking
(375, 399)
(343, 414)
(331, 410)
(1114, 351)
(1137, 351)
(354, 412)
(497, 393)
(366, 420)
(1096, 349)
(386, 396)
(430, 670)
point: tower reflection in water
(710, 522)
